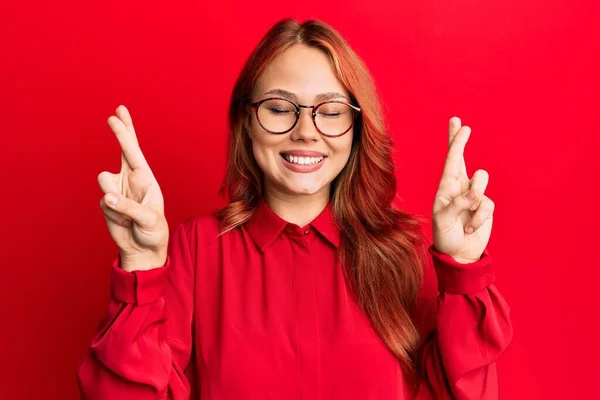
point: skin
(462, 223)
(299, 197)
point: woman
(309, 283)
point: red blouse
(263, 312)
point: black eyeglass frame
(356, 110)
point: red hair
(383, 249)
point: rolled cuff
(454, 277)
(138, 287)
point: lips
(303, 153)
(303, 163)
(302, 160)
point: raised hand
(135, 219)
(462, 213)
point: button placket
(308, 330)
(302, 236)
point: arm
(144, 344)
(464, 333)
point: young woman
(309, 284)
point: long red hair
(383, 249)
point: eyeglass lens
(278, 116)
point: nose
(305, 129)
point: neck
(294, 208)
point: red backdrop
(522, 74)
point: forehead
(303, 70)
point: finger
(484, 211)
(479, 182)
(108, 182)
(129, 145)
(125, 168)
(115, 216)
(123, 114)
(454, 160)
(453, 127)
(143, 216)
(459, 204)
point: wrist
(464, 260)
(457, 258)
(143, 262)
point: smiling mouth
(302, 160)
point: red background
(522, 74)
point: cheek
(342, 149)
(264, 147)
(259, 151)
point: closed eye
(280, 111)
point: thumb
(144, 216)
(461, 203)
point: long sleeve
(466, 327)
(143, 346)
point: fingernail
(112, 199)
(469, 229)
(472, 194)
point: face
(301, 161)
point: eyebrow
(318, 98)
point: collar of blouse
(265, 226)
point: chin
(303, 188)
(305, 191)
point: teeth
(303, 160)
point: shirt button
(306, 232)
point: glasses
(331, 118)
